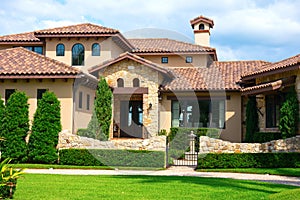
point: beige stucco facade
(62, 88)
(108, 50)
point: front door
(131, 119)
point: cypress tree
(45, 129)
(251, 119)
(15, 127)
(103, 106)
(289, 115)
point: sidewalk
(174, 171)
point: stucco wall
(61, 88)
(179, 60)
(108, 50)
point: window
(80, 100)
(40, 93)
(120, 82)
(201, 113)
(8, 93)
(136, 82)
(164, 60)
(189, 59)
(201, 27)
(77, 55)
(96, 49)
(36, 49)
(273, 104)
(60, 50)
(88, 102)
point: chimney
(201, 26)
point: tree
(15, 127)
(251, 119)
(289, 115)
(103, 106)
(45, 129)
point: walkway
(174, 171)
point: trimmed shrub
(103, 106)
(261, 137)
(251, 119)
(45, 129)
(289, 115)
(110, 157)
(249, 160)
(14, 128)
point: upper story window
(78, 55)
(60, 50)
(95, 49)
(189, 59)
(201, 27)
(120, 82)
(36, 49)
(136, 82)
(164, 59)
(8, 93)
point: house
(157, 83)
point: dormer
(201, 26)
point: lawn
(69, 187)
(272, 171)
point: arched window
(95, 49)
(136, 82)
(120, 82)
(78, 55)
(201, 27)
(60, 50)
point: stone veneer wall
(212, 145)
(68, 140)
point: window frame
(164, 60)
(136, 82)
(88, 99)
(60, 49)
(273, 104)
(188, 59)
(80, 100)
(96, 49)
(120, 82)
(79, 57)
(8, 93)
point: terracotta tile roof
(79, 29)
(218, 76)
(22, 37)
(202, 19)
(127, 55)
(292, 63)
(271, 86)
(22, 63)
(164, 45)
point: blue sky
(244, 29)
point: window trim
(136, 82)
(96, 50)
(79, 54)
(88, 99)
(120, 82)
(164, 60)
(80, 100)
(60, 49)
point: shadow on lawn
(222, 183)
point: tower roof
(202, 19)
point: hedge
(249, 160)
(261, 137)
(110, 157)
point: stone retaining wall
(212, 145)
(68, 140)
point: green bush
(289, 115)
(103, 106)
(45, 129)
(14, 127)
(110, 157)
(261, 137)
(249, 160)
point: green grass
(286, 195)
(72, 187)
(48, 166)
(272, 171)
